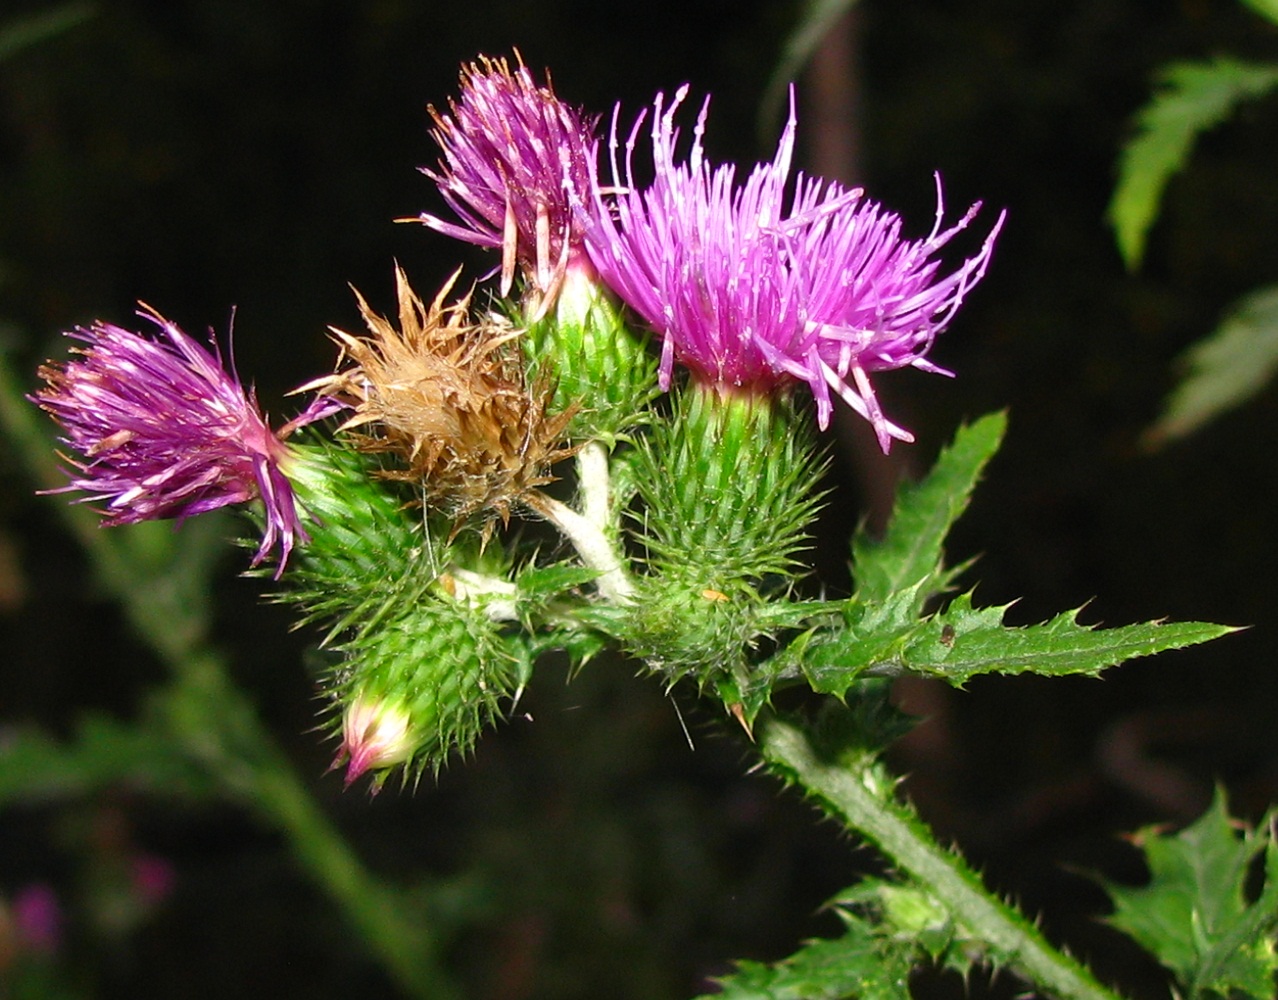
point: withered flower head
(450, 398)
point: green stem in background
(862, 795)
(217, 725)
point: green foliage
(963, 641)
(1196, 915)
(885, 628)
(1194, 97)
(1265, 8)
(861, 964)
(1225, 369)
(909, 555)
(23, 32)
(103, 753)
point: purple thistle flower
(747, 293)
(512, 153)
(165, 431)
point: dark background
(205, 155)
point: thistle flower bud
(375, 736)
(595, 361)
(449, 399)
(729, 487)
(419, 685)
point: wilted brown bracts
(451, 399)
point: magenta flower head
(512, 153)
(163, 430)
(750, 293)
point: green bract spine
(598, 363)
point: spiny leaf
(1193, 97)
(1194, 915)
(1225, 369)
(859, 964)
(964, 641)
(909, 553)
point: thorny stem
(588, 530)
(862, 795)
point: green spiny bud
(419, 684)
(368, 552)
(730, 485)
(595, 359)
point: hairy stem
(861, 794)
(593, 546)
(593, 483)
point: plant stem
(592, 544)
(593, 483)
(862, 795)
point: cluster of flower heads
(751, 286)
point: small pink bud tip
(375, 735)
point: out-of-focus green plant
(1234, 363)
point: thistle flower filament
(512, 153)
(163, 430)
(750, 290)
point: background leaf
(1193, 98)
(23, 32)
(1267, 9)
(1225, 369)
(817, 18)
(1194, 916)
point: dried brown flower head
(451, 399)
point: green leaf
(24, 32)
(1225, 369)
(1267, 9)
(909, 554)
(1193, 97)
(1194, 915)
(964, 641)
(37, 768)
(859, 964)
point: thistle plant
(684, 481)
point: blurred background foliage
(205, 155)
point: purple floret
(748, 293)
(512, 152)
(160, 429)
